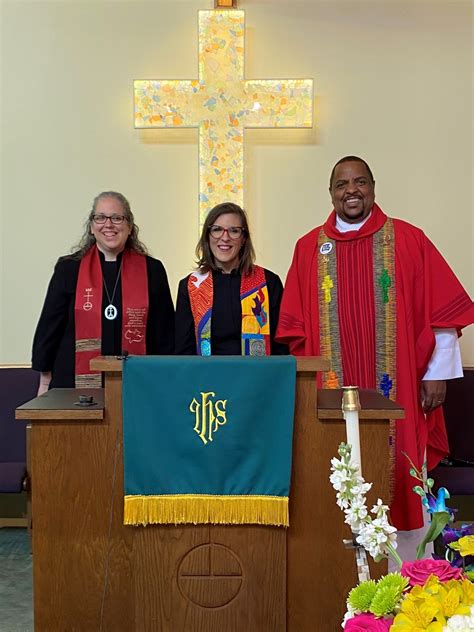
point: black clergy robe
(54, 340)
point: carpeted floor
(16, 581)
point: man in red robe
(373, 295)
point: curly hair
(88, 240)
(205, 259)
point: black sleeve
(54, 315)
(275, 293)
(160, 323)
(185, 338)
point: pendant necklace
(110, 312)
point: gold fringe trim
(206, 509)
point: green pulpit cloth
(207, 440)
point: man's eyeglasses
(234, 232)
(100, 218)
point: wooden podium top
(62, 404)
(373, 405)
(309, 364)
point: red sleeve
(451, 306)
(447, 304)
(291, 326)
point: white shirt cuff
(445, 362)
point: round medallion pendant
(110, 312)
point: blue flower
(436, 504)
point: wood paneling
(317, 559)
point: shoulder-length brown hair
(88, 240)
(205, 259)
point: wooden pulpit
(92, 573)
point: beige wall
(393, 83)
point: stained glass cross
(221, 103)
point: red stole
(428, 295)
(88, 311)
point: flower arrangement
(436, 595)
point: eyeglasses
(115, 219)
(234, 232)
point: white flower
(355, 514)
(379, 507)
(376, 534)
(383, 525)
(361, 488)
(460, 623)
(339, 480)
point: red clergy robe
(428, 295)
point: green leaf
(419, 490)
(413, 472)
(438, 521)
(429, 482)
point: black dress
(54, 340)
(226, 325)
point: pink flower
(419, 571)
(367, 622)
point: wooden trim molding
(308, 364)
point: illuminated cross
(221, 103)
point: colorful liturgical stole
(88, 311)
(203, 441)
(255, 311)
(381, 254)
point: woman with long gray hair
(107, 297)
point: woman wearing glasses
(107, 297)
(229, 306)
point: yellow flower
(402, 623)
(464, 545)
(467, 588)
(414, 617)
(426, 608)
(451, 600)
(428, 592)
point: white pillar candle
(353, 437)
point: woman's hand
(45, 379)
